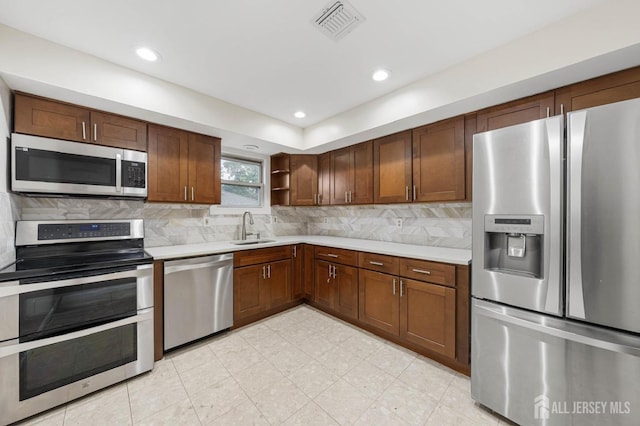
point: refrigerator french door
(556, 256)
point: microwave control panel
(133, 174)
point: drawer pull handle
(332, 255)
(422, 271)
(376, 263)
(394, 286)
(401, 285)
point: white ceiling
(266, 56)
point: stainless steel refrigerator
(556, 269)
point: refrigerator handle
(554, 223)
(576, 131)
(497, 313)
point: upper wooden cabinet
(438, 161)
(392, 177)
(183, 167)
(280, 178)
(616, 87)
(516, 112)
(303, 180)
(324, 178)
(52, 119)
(121, 132)
(351, 179)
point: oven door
(62, 339)
(41, 374)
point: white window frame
(265, 208)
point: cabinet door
(249, 291)
(616, 87)
(438, 161)
(428, 316)
(392, 168)
(168, 164)
(279, 282)
(42, 117)
(204, 169)
(516, 112)
(324, 178)
(297, 271)
(361, 185)
(379, 304)
(341, 176)
(308, 275)
(120, 132)
(303, 180)
(346, 290)
(323, 286)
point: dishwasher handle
(197, 263)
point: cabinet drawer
(261, 255)
(379, 262)
(433, 272)
(336, 255)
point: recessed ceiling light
(299, 114)
(147, 54)
(380, 75)
(250, 147)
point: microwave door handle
(118, 172)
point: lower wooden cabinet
(428, 316)
(336, 287)
(419, 312)
(380, 301)
(262, 281)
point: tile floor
(300, 367)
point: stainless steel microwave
(51, 166)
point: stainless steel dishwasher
(198, 298)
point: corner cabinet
(439, 161)
(183, 167)
(45, 117)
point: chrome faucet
(244, 225)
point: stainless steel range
(76, 312)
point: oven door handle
(142, 271)
(11, 349)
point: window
(242, 184)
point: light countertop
(436, 254)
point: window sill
(222, 210)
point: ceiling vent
(337, 19)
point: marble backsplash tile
(445, 225)
(9, 213)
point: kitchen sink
(247, 242)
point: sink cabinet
(262, 280)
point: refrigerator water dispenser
(514, 244)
